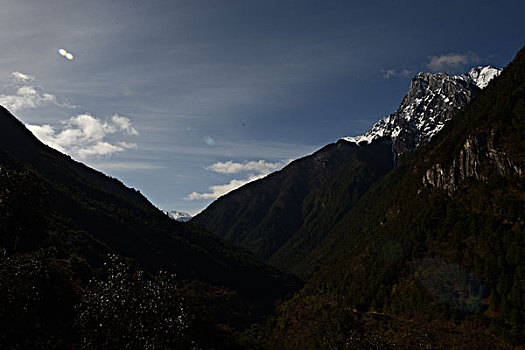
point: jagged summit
(431, 101)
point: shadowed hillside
(49, 201)
(432, 255)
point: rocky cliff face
(432, 100)
(478, 159)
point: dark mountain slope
(284, 216)
(59, 202)
(337, 193)
(432, 255)
(278, 211)
(264, 213)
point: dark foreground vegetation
(88, 262)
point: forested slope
(432, 255)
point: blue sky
(185, 100)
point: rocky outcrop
(478, 159)
(431, 101)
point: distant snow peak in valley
(432, 100)
(178, 215)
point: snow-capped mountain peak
(178, 215)
(481, 76)
(431, 101)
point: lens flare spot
(450, 283)
(209, 141)
(65, 54)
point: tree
(128, 311)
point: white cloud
(26, 96)
(99, 149)
(258, 170)
(260, 167)
(218, 190)
(451, 61)
(84, 136)
(389, 73)
(124, 124)
(21, 77)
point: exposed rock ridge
(432, 100)
(478, 159)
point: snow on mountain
(481, 76)
(178, 215)
(432, 100)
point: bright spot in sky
(66, 54)
(209, 141)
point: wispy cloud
(27, 95)
(124, 166)
(124, 124)
(21, 77)
(84, 136)
(260, 167)
(257, 169)
(451, 61)
(390, 73)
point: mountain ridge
(416, 264)
(85, 214)
(431, 101)
(254, 218)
